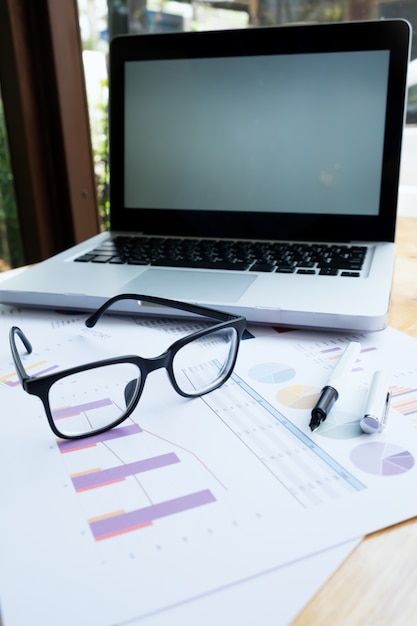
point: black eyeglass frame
(40, 386)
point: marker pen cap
(370, 425)
(377, 406)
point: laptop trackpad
(194, 286)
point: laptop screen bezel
(391, 35)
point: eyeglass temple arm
(15, 330)
(183, 306)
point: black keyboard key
(285, 269)
(85, 258)
(263, 267)
(101, 258)
(137, 262)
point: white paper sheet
(246, 487)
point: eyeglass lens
(203, 363)
(97, 398)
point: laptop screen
(236, 133)
(281, 133)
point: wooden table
(377, 584)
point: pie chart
(271, 373)
(298, 396)
(380, 458)
(340, 426)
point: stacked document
(217, 507)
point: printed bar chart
(332, 353)
(119, 523)
(70, 411)
(404, 400)
(100, 478)
(11, 379)
(90, 442)
(326, 353)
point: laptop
(252, 170)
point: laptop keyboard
(288, 258)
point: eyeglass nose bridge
(133, 391)
(151, 364)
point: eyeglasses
(196, 364)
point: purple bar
(371, 349)
(89, 442)
(100, 478)
(118, 524)
(40, 373)
(46, 370)
(69, 411)
(337, 349)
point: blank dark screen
(287, 133)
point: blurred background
(24, 229)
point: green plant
(11, 252)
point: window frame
(46, 114)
